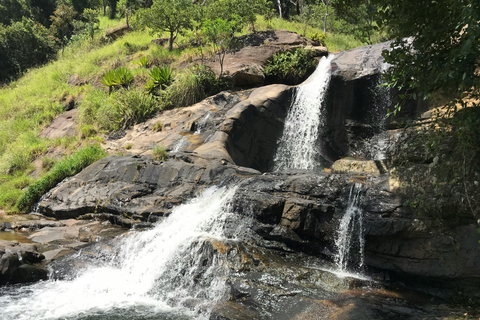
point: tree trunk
(170, 43)
(325, 20)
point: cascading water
(161, 273)
(297, 146)
(350, 241)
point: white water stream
(297, 148)
(350, 240)
(159, 271)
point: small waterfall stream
(160, 272)
(297, 145)
(350, 241)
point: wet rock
(17, 263)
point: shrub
(126, 108)
(157, 127)
(23, 45)
(120, 77)
(191, 86)
(290, 67)
(160, 153)
(161, 77)
(11, 188)
(320, 37)
(142, 61)
(67, 167)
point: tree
(63, 23)
(361, 15)
(90, 21)
(166, 15)
(113, 8)
(326, 3)
(221, 34)
(13, 11)
(442, 48)
(23, 45)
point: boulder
(63, 126)
(360, 62)
(18, 263)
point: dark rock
(17, 263)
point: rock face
(17, 263)
(229, 139)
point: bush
(161, 77)
(126, 108)
(120, 77)
(191, 86)
(290, 67)
(23, 45)
(320, 37)
(11, 188)
(67, 167)
(160, 153)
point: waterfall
(157, 273)
(350, 241)
(297, 145)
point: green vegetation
(67, 37)
(117, 78)
(290, 67)
(61, 170)
(161, 77)
(160, 153)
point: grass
(67, 167)
(160, 153)
(334, 41)
(29, 104)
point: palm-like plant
(120, 77)
(142, 61)
(161, 77)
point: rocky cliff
(230, 139)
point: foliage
(63, 23)
(360, 16)
(120, 77)
(13, 11)
(23, 45)
(118, 110)
(242, 11)
(290, 67)
(437, 56)
(166, 16)
(221, 33)
(65, 168)
(90, 22)
(11, 189)
(161, 77)
(160, 153)
(320, 37)
(142, 62)
(191, 86)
